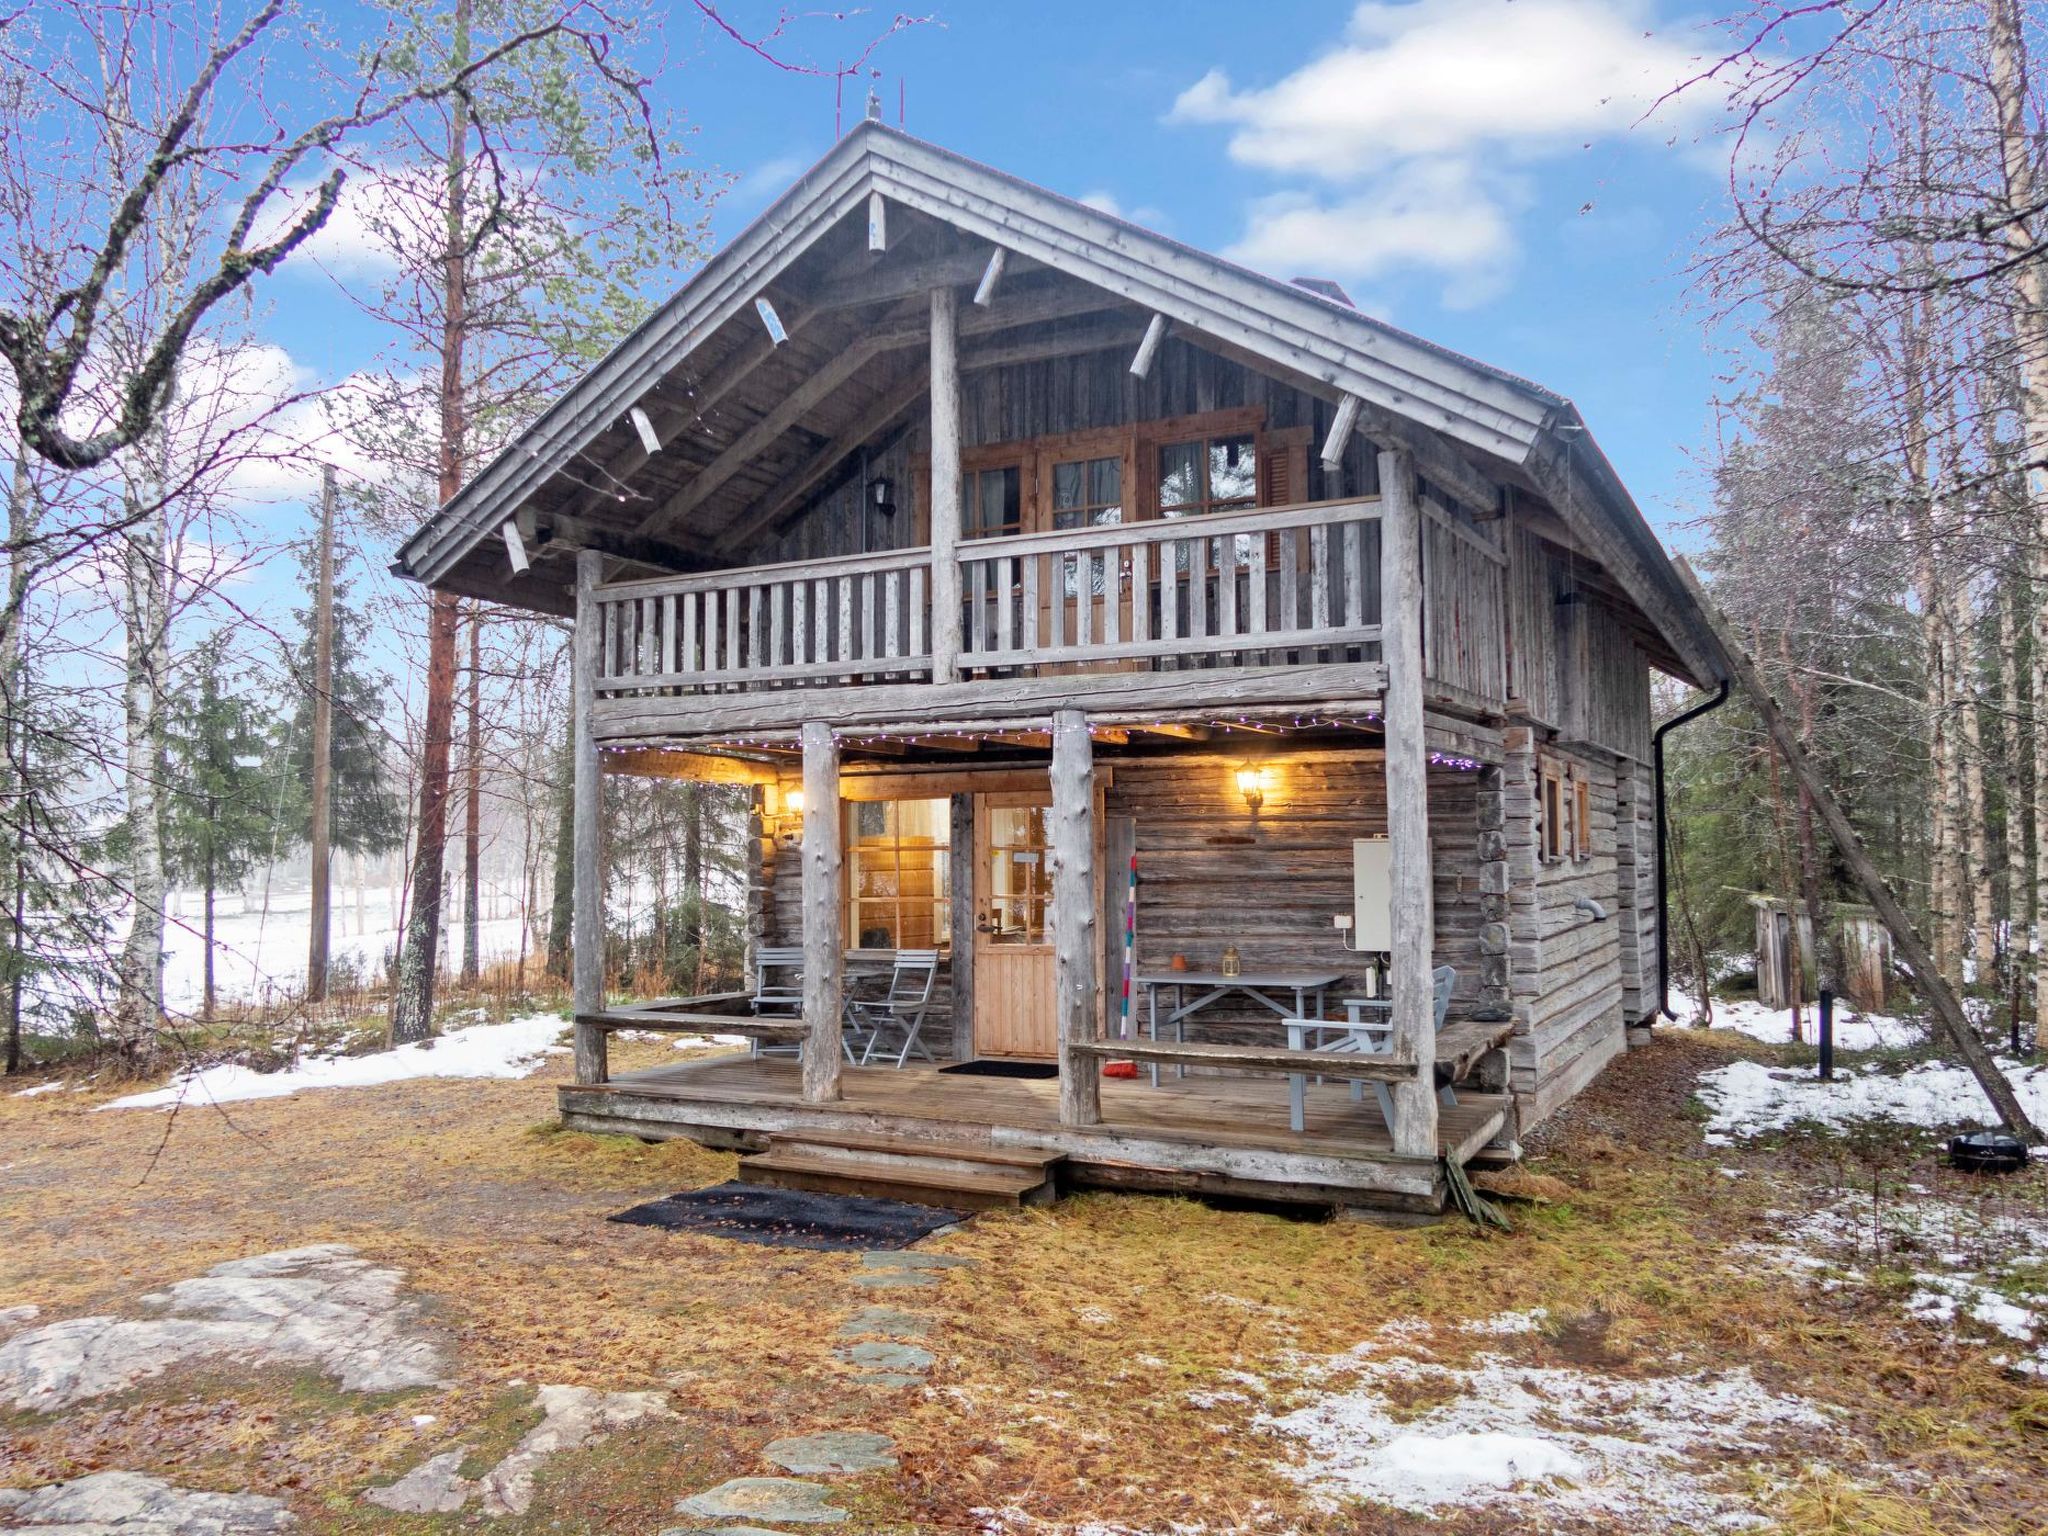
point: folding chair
(894, 1023)
(778, 993)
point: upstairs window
(992, 502)
(1210, 474)
(1552, 841)
(1086, 493)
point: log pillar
(960, 878)
(586, 937)
(945, 545)
(1414, 1022)
(1071, 849)
(824, 948)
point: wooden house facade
(1098, 614)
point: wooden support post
(960, 882)
(945, 392)
(824, 946)
(586, 938)
(1340, 431)
(992, 274)
(1948, 1012)
(643, 424)
(1414, 1017)
(1071, 847)
(1155, 333)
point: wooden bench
(718, 1013)
(1463, 1043)
(1250, 1058)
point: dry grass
(1066, 1358)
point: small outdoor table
(1257, 985)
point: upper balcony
(1271, 611)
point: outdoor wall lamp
(1251, 783)
(789, 822)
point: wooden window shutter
(1283, 476)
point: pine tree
(221, 801)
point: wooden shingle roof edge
(1341, 348)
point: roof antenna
(902, 94)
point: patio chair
(1360, 1037)
(778, 994)
(895, 1023)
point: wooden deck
(1209, 1134)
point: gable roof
(1326, 344)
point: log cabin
(1248, 702)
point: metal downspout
(1705, 706)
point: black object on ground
(1000, 1068)
(792, 1218)
(1987, 1152)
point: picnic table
(1214, 986)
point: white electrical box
(1372, 895)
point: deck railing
(863, 617)
(1276, 586)
(1261, 585)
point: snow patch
(511, 1049)
(1854, 1031)
(1541, 1440)
(1748, 1098)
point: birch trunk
(21, 527)
(2019, 913)
(2006, 77)
(138, 1010)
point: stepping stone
(435, 1487)
(782, 1499)
(833, 1450)
(888, 1379)
(888, 1357)
(905, 1259)
(889, 1322)
(893, 1279)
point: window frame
(1552, 835)
(940, 849)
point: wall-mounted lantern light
(881, 495)
(1251, 783)
(788, 823)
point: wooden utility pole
(323, 741)
(1948, 1012)
(472, 805)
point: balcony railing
(1277, 586)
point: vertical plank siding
(1464, 620)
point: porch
(1209, 1134)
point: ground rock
(12, 1318)
(130, 1504)
(892, 1279)
(785, 1500)
(833, 1450)
(435, 1487)
(889, 1322)
(318, 1306)
(888, 1357)
(574, 1416)
(889, 1258)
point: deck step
(960, 1177)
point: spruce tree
(221, 801)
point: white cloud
(1105, 201)
(1416, 127)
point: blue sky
(1476, 171)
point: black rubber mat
(792, 1218)
(1038, 1069)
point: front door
(1013, 965)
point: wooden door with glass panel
(1081, 485)
(1013, 958)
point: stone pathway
(572, 1417)
(879, 1342)
(319, 1306)
(129, 1504)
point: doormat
(792, 1218)
(1039, 1069)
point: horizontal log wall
(1565, 968)
(1636, 878)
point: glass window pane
(1068, 484)
(1180, 476)
(1233, 470)
(1106, 482)
(992, 503)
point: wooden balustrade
(861, 618)
(1275, 586)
